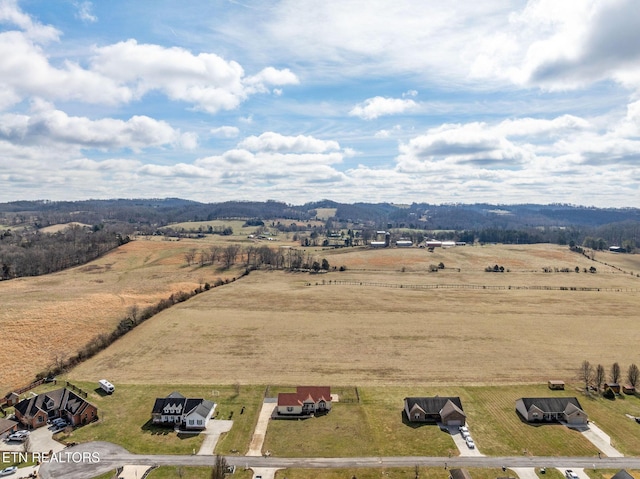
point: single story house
(305, 401)
(615, 387)
(622, 474)
(566, 409)
(177, 410)
(459, 474)
(447, 410)
(556, 384)
(62, 403)
(7, 426)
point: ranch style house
(62, 403)
(306, 401)
(550, 409)
(177, 410)
(445, 410)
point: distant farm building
(433, 244)
(404, 243)
(615, 387)
(628, 389)
(448, 244)
(383, 239)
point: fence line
(472, 286)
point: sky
(398, 101)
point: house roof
(449, 408)
(304, 394)
(433, 405)
(552, 404)
(459, 474)
(7, 424)
(51, 401)
(622, 474)
(189, 405)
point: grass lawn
(387, 473)
(172, 472)
(376, 426)
(125, 417)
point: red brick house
(306, 401)
(62, 403)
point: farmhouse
(61, 403)
(447, 410)
(307, 400)
(565, 409)
(177, 410)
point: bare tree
(229, 255)
(189, 256)
(615, 373)
(600, 376)
(633, 375)
(214, 253)
(219, 468)
(586, 374)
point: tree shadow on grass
(155, 429)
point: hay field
(51, 316)
(288, 329)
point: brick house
(62, 403)
(306, 401)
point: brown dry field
(288, 329)
(51, 316)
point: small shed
(628, 389)
(615, 387)
(556, 385)
(13, 398)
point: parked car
(7, 471)
(18, 436)
(569, 474)
(470, 443)
(59, 422)
(463, 429)
(464, 434)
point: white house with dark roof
(177, 410)
(552, 409)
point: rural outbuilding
(615, 387)
(556, 384)
(566, 409)
(628, 389)
(445, 410)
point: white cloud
(378, 106)
(84, 12)
(46, 126)
(10, 13)
(275, 142)
(225, 132)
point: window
(190, 422)
(289, 408)
(40, 419)
(199, 422)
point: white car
(464, 434)
(463, 429)
(18, 436)
(8, 471)
(470, 443)
(569, 474)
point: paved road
(112, 456)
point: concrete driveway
(260, 432)
(461, 443)
(40, 440)
(525, 472)
(212, 433)
(601, 440)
